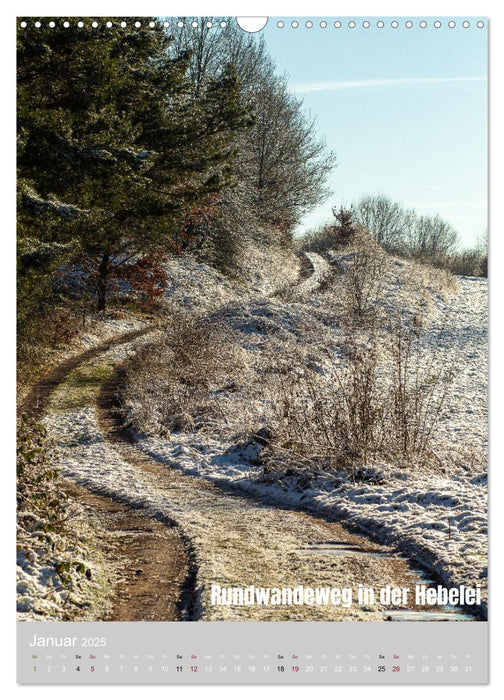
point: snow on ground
(237, 540)
(320, 271)
(459, 333)
(439, 518)
(198, 287)
(440, 522)
(268, 270)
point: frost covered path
(437, 517)
(231, 540)
(234, 532)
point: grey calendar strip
(236, 652)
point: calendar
(252, 308)
(253, 653)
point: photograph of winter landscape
(252, 319)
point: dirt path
(152, 562)
(314, 272)
(154, 570)
(170, 536)
(228, 539)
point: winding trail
(228, 539)
(175, 534)
(314, 271)
(155, 569)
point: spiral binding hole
(280, 24)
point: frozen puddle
(341, 549)
(442, 615)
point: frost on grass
(228, 532)
(58, 577)
(198, 287)
(431, 504)
(214, 416)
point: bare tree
(387, 221)
(431, 237)
(281, 166)
(291, 164)
(402, 231)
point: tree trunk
(102, 283)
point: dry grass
(418, 393)
(379, 404)
(177, 381)
(43, 339)
(363, 285)
(51, 536)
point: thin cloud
(385, 82)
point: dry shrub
(177, 382)
(40, 341)
(380, 404)
(359, 267)
(38, 488)
(417, 391)
(363, 285)
(469, 263)
(49, 531)
(330, 422)
(343, 236)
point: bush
(380, 403)
(176, 382)
(362, 284)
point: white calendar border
(359, 8)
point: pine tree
(115, 149)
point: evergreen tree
(115, 149)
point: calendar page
(252, 350)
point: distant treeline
(403, 232)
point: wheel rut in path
(35, 402)
(150, 560)
(239, 540)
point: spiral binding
(284, 24)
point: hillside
(251, 419)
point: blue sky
(405, 110)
